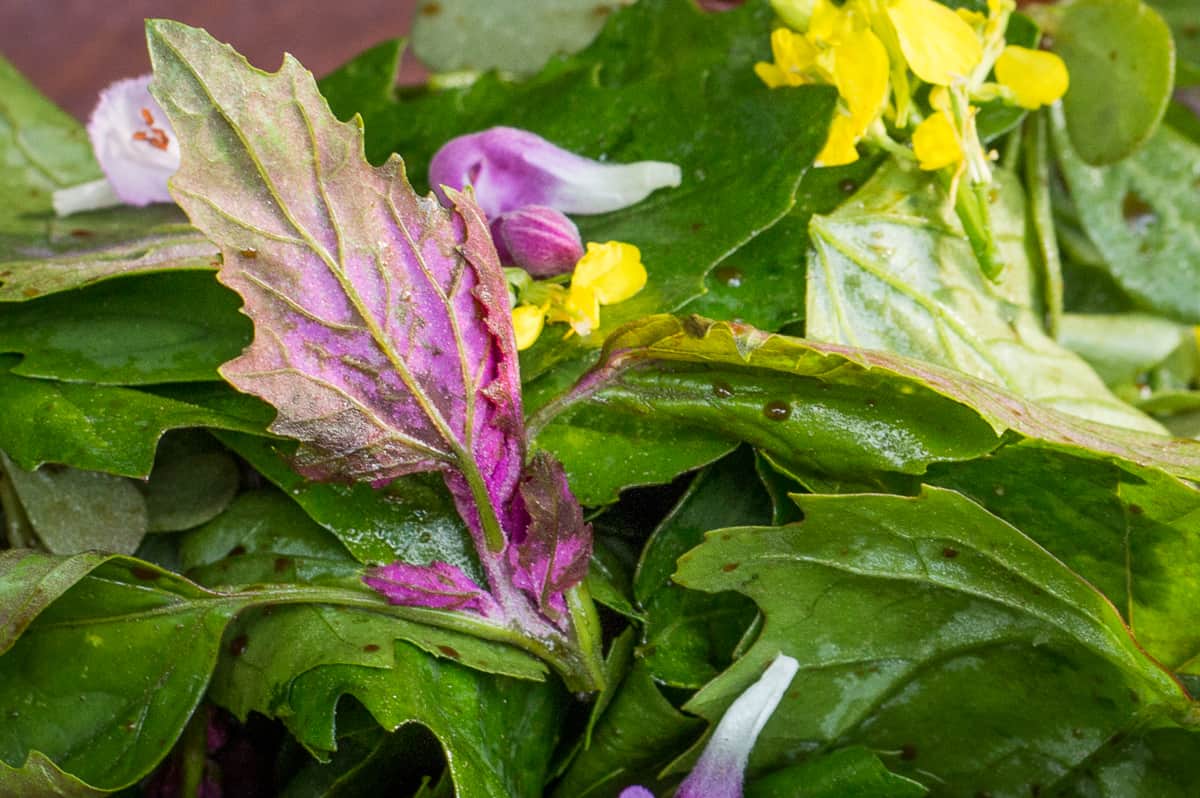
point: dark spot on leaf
(449, 651)
(949, 552)
(727, 536)
(30, 293)
(601, 11)
(848, 186)
(1135, 509)
(431, 9)
(370, 648)
(129, 726)
(777, 411)
(695, 326)
(81, 233)
(1112, 55)
(1035, 790)
(871, 403)
(729, 275)
(1134, 697)
(144, 573)
(282, 564)
(730, 566)
(237, 646)
(697, 226)
(237, 551)
(1137, 212)
(722, 389)
(249, 254)
(993, 196)
(908, 752)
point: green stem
(194, 750)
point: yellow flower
(1035, 77)
(937, 43)
(614, 271)
(839, 147)
(527, 321)
(794, 59)
(935, 142)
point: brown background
(71, 49)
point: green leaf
(39, 778)
(1161, 763)
(845, 414)
(968, 620)
(607, 101)
(689, 637)
(637, 735)
(43, 149)
(412, 519)
(74, 511)
(1122, 347)
(1143, 215)
(1181, 16)
(110, 429)
(1130, 532)
(456, 35)
(1121, 59)
(848, 773)
(366, 82)
(193, 480)
(891, 270)
(142, 330)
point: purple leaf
(510, 168)
(438, 585)
(553, 555)
(382, 330)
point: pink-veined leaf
(382, 334)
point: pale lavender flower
(541, 240)
(510, 168)
(134, 145)
(721, 768)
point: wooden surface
(71, 49)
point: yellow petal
(528, 321)
(839, 147)
(828, 22)
(938, 45)
(614, 271)
(1036, 77)
(861, 75)
(580, 309)
(935, 142)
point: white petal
(585, 186)
(134, 142)
(85, 197)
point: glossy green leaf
(193, 480)
(412, 519)
(990, 665)
(847, 773)
(607, 101)
(639, 733)
(43, 149)
(866, 411)
(891, 270)
(39, 778)
(456, 35)
(142, 330)
(1143, 215)
(110, 429)
(1121, 59)
(72, 511)
(689, 637)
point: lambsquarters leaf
(890, 269)
(43, 149)
(382, 331)
(990, 665)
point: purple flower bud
(134, 142)
(541, 240)
(635, 792)
(510, 168)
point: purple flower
(541, 240)
(135, 146)
(721, 768)
(510, 169)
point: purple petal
(635, 791)
(133, 141)
(721, 768)
(541, 240)
(439, 585)
(554, 552)
(510, 168)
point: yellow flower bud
(1035, 77)
(794, 57)
(528, 321)
(614, 271)
(935, 142)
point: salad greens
(853, 454)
